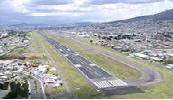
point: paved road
(36, 89)
(148, 76)
(96, 75)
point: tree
(99, 36)
(17, 90)
(25, 89)
(91, 41)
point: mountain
(165, 15)
(161, 22)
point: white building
(140, 55)
(170, 66)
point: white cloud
(56, 14)
(83, 8)
(67, 7)
(115, 11)
(72, 9)
(80, 2)
(15, 5)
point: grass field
(79, 86)
(159, 90)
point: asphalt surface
(100, 78)
(35, 89)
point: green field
(159, 90)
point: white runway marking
(102, 84)
(110, 83)
(77, 65)
(76, 54)
(66, 55)
(118, 82)
(92, 64)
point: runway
(96, 75)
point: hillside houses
(12, 41)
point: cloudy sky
(74, 11)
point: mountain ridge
(164, 15)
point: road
(36, 88)
(36, 91)
(100, 78)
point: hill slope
(165, 15)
